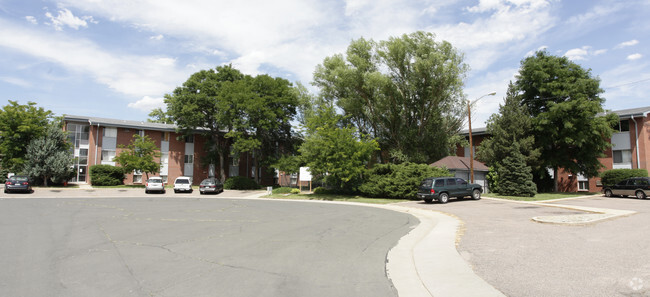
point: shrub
(282, 190)
(613, 176)
(106, 175)
(295, 191)
(398, 180)
(323, 190)
(240, 183)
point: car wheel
(6, 191)
(146, 191)
(640, 194)
(608, 193)
(428, 200)
(176, 191)
(476, 194)
(444, 197)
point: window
(583, 182)
(164, 178)
(164, 158)
(189, 159)
(460, 181)
(110, 132)
(622, 126)
(108, 155)
(583, 185)
(451, 182)
(165, 136)
(189, 139)
(641, 182)
(622, 157)
(440, 183)
(140, 132)
(137, 177)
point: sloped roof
(635, 112)
(459, 163)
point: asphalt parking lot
(521, 257)
(158, 245)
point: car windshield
(155, 180)
(207, 182)
(182, 181)
(20, 178)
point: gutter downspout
(96, 142)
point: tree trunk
(222, 171)
(45, 180)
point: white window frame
(110, 132)
(137, 176)
(109, 159)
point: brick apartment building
(630, 149)
(98, 141)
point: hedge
(106, 175)
(240, 183)
(399, 181)
(613, 176)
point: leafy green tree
(405, 92)
(564, 100)
(207, 101)
(157, 115)
(515, 177)
(48, 157)
(265, 109)
(19, 125)
(139, 156)
(336, 151)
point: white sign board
(305, 175)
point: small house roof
(459, 163)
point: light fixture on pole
(471, 146)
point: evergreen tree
(48, 157)
(511, 125)
(515, 177)
(564, 100)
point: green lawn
(539, 197)
(335, 197)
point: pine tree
(515, 177)
(48, 157)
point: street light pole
(471, 145)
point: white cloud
(600, 52)
(16, 81)
(627, 43)
(157, 37)
(597, 13)
(633, 57)
(66, 18)
(487, 83)
(127, 74)
(148, 103)
(31, 19)
(510, 26)
(577, 53)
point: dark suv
(444, 187)
(636, 186)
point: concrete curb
(425, 262)
(593, 215)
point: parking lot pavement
(521, 257)
(90, 192)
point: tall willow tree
(406, 92)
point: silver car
(154, 184)
(211, 185)
(183, 184)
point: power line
(627, 84)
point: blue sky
(117, 59)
